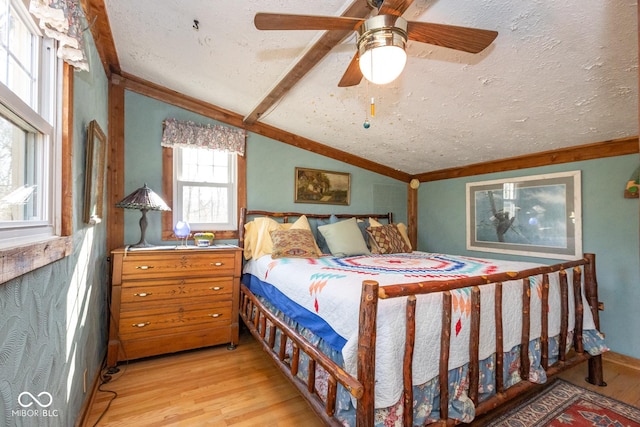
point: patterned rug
(564, 404)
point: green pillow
(344, 238)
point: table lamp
(146, 200)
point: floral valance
(215, 137)
(62, 20)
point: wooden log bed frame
(256, 317)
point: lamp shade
(381, 48)
(143, 198)
(146, 200)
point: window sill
(20, 260)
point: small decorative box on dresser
(167, 300)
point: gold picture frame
(321, 186)
(94, 174)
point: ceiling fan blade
(352, 76)
(394, 7)
(466, 39)
(283, 21)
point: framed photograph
(534, 216)
(94, 174)
(320, 186)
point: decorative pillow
(257, 241)
(388, 240)
(302, 223)
(401, 227)
(344, 238)
(363, 224)
(320, 240)
(293, 243)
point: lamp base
(143, 229)
(142, 245)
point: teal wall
(270, 170)
(270, 182)
(53, 320)
(610, 229)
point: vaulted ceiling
(559, 74)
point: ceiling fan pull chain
(367, 123)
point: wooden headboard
(245, 214)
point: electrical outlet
(84, 381)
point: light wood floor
(218, 387)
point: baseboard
(88, 402)
(621, 359)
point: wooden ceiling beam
(98, 20)
(358, 9)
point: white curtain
(62, 20)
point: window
(29, 76)
(205, 188)
(204, 169)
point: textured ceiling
(559, 74)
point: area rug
(564, 404)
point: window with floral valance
(204, 174)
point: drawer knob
(214, 315)
(215, 288)
(143, 294)
(140, 325)
(217, 264)
(144, 267)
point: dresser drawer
(177, 264)
(167, 291)
(166, 320)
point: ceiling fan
(382, 39)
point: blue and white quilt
(323, 295)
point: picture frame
(321, 186)
(94, 174)
(538, 216)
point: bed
(365, 335)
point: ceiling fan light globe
(383, 65)
(381, 48)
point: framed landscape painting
(94, 174)
(320, 186)
(534, 216)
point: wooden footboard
(366, 352)
(257, 318)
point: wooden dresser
(167, 300)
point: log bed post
(407, 371)
(367, 353)
(474, 346)
(596, 375)
(499, 339)
(544, 323)
(526, 326)
(445, 341)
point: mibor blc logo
(35, 406)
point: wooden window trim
(22, 259)
(167, 190)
